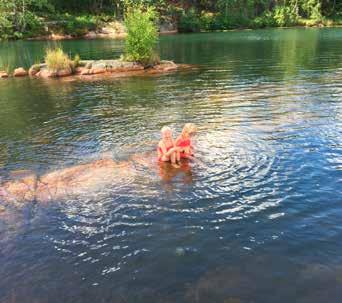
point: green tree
(142, 34)
(20, 16)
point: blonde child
(183, 142)
(167, 151)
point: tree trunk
(23, 17)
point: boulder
(3, 74)
(99, 65)
(165, 66)
(79, 70)
(89, 65)
(46, 73)
(64, 72)
(20, 72)
(124, 66)
(95, 71)
(85, 72)
(33, 71)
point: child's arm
(165, 152)
(180, 149)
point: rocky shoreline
(111, 30)
(94, 67)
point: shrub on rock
(57, 60)
(142, 34)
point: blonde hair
(190, 128)
(165, 130)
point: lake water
(258, 216)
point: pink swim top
(185, 143)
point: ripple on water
(267, 178)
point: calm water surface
(258, 218)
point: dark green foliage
(189, 21)
(76, 26)
(26, 18)
(285, 16)
(20, 18)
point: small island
(140, 55)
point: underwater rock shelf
(94, 67)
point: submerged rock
(20, 72)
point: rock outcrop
(107, 66)
(47, 73)
(20, 72)
(96, 67)
(34, 69)
(3, 74)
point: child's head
(189, 129)
(166, 132)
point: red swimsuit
(185, 143)
(161, 152)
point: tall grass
(56, 59)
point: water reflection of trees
(26, 53)
(247, 55)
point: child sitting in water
(167, 151)
(184, 141)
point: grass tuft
(56, 59)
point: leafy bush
(285, 16)
(19, 19)
(206, 21)
(189, 22)
(142, 34)
(80, 25)
(77, 26)
(6, 28)
(34, 25)
(312, 9)
(56, 59)
(265, 20)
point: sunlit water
(258, 216)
